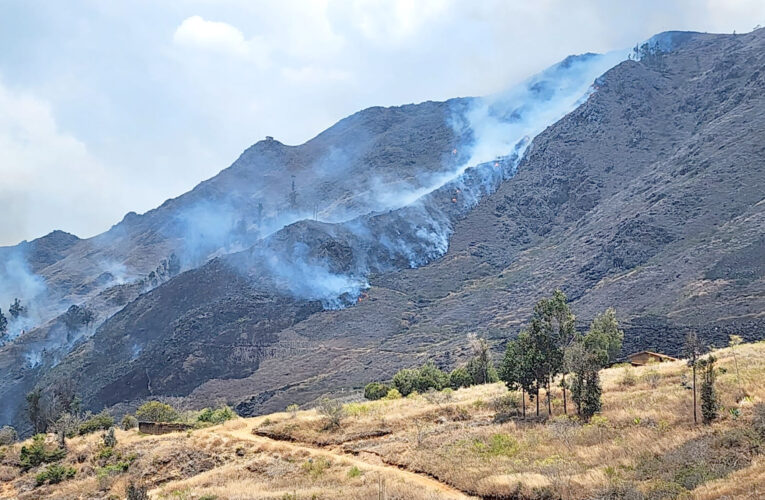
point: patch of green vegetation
(356, 409)
(497, 445)
(100, 422)
(54, 474)
(218, 416)
(37, 453)
(354, 472)
(315, 467)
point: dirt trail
(416, 479)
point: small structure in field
(643, 358)
(162, 427)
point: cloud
(47, 175)
(197, 32)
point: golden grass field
(643, 445)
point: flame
(496, 164)
(364, 295)
(454, 151)
(458, 190)
(454, 200)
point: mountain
(647, 195)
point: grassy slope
(437, 446)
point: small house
(643, 358)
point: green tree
(405, 381)
(3, 325)
(604, 338)
(693, 350)
(512, 370)
(480, 367)
(35, 411)
(154, 411)
(430, 376)
(459, 377)
(17, 309)
(709, 402)
(591, 393)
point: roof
(657, 354)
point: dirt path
(416, 479)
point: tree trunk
(563, 384)
(523, 402)
(695, 418)
(549, 398)
(537, 398)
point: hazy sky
(113, 106)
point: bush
(99, 422)
(293, 409)
(333, 412)
(375, 390)
(506, 406)
(8, 435)
(393, 394)
(154, 411)
(354, 472)
(405, 381)
(430, 377)
(652, 378)
(110, 440)
(218, 416)
(54, 474)
(129, 422)
(37, 453)
(459, 377)
(316, 467)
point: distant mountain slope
(648, 197)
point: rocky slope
(648, 197)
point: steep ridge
(631, 193)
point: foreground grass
(643, 445)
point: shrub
(506, 405)
(218, 416)
(497, 445)
(54, 474)
(154, 411)
(393, 394)
(37, 453)
(8, 435)
(99, 422)
(354, 472)
(356, 409)
(333, 412)
(316, 467)
(129, 422)
(652, 378)
(459, 377)
(430, 377)
(293, 409)
(405, 381)
(375, 390)
(110, 440)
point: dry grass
(644, 444)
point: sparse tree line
(549, 352)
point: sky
(108, 107)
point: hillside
(449, 445)
(647, 196)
